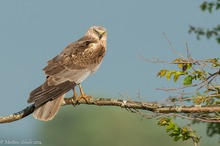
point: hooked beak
(100, 35)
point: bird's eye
(95, 31)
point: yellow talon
(86, 98)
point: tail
(49, 109)
(47, 99)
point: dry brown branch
(172, 48)
(131, 105)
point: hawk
(68, 69)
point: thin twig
(154, 60)
(172, 48)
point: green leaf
(203, 6)
(217, 6)
(177, 74)
(169, 73)
(199, 99)
(162, 73)
(178, 61)
(217, 102)
(213, 60)
(176, 138)
(177, 132)
(164, 121)
(218, 39)
(210, 7)
(188, 80)
(180, 65)
(170, 127)
(214, 65)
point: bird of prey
(68, 69)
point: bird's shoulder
(78, 55)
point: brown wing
(45, 93)
(67, 69)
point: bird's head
(97, 32)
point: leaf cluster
(185, 70)
(193, 76)
(176, 131)
(213, 129)
(207, 32)
(209, 6)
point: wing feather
(45, 93)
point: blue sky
(32, 32)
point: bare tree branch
(18, 115)
(131, 105)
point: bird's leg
(81, 90)
(82, 94)
(74, 94)
(75, 97)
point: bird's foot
(76, 99)
(85, 97)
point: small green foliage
(188, 71)
(217, 102)
(209, 6)
(213, 129)
(179, 61)
(177, 74)
(205, 99)
(162, 73)
(164, 121)
(170, 126)
(187, 80)
(218, 39)
(208, 33)
(203, 6)
(168, 74)
(199, 99)
(198, 74)
(182, 64)
(214, 62)
(176, 131)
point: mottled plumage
(78, 60)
